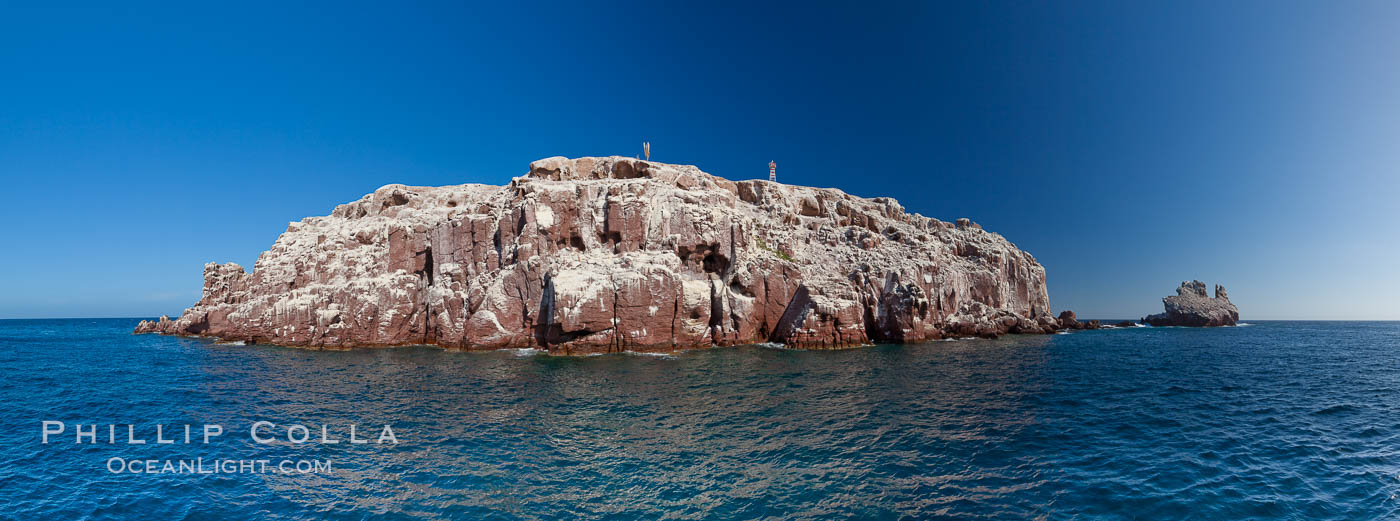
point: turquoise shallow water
(1278, 420)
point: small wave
(1336, 409)
(1176, 389)
(771, 345)
(626, 353)
(1243, 324)
(525, 352)
(651, 354)
(1062, 332)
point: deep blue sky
(1128, 146)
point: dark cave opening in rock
(714, 262)
(427, 265)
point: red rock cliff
(602, 254)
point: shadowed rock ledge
(1191, 307)
(602, 254)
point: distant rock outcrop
(1191, 307)
(1068, 320)
(602, 254)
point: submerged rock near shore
(1191, 307)
(602, 254)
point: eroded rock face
(1191, 307)
(602, 254)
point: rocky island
(1192, 308)
(601, 254)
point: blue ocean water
(1277, 420)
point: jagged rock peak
(613, 253)
(1194, 287)
(1192, 307)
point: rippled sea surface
(1277, 420)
